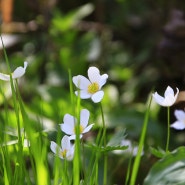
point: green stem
(129, 168)
(104, 144)
(141, 145)
(168, 129)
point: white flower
(180, 123)
(69, 125)
(19, 71)
(168, 99)
(91, 88)
(65, 151)
(131, 150)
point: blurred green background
(139, 44)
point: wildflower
(65, 151)
(69, 125)
(168, 99)
(19, 72)
(91, 88)
(131, 148)
(180, 123)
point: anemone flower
(19, 72)
(69, 125)
(90, 88)
(168, 99)
(65, 151)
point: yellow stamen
(63, 153)
(93, 88)
(81, 129)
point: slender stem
(104, 144)
(141, 145)
(129, 168)
(168, 129)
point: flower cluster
(168, 100)
(88, 88)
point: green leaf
(64, 23)
(168, 170)
(157, 152)
(117, 138)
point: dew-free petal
(84, 117)
(66, 128)
(178, 125)
(81, 82)
(87, 128)
(55, 148)
(83, 94)
(20, 71)
(103, 80)
(169, 91)
(97, 97)
(94, 74)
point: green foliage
(168, 170)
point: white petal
(166, 102)
(69, 119)
(70, 153)
(169, 100)
(67, 129)
(65, 143)
(73, 137)
(126, 142)
(84, 117)
(68, 125)
(94, 74)
(54, 147)
(4, 77)
(87, 128)
(168, 91)
(19, 71)
(81, 82)
(83, 94)
(178, 125)
(103, 80)
(177, 93)
(180, 115)
(159, 99)
(97, 97)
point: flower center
(81, 129)
(63, 153)
(93, 88)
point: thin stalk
(104, 144)
(129, 169)
(6, 179)
(76, 159)
(141, 145)
(168, 129)
(93, 160)
(100, 141)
